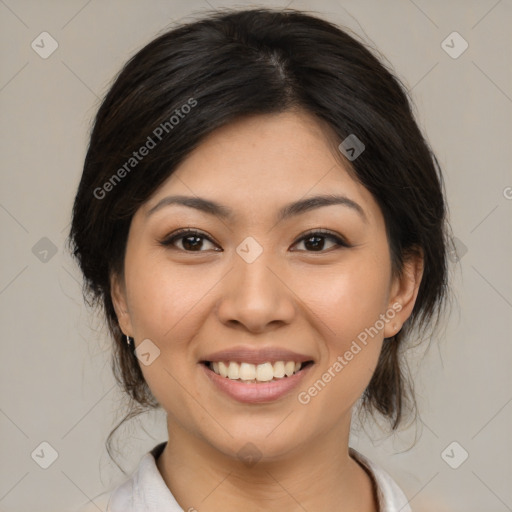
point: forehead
(259, 163)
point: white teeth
(234, 370)
(248, 372)
(264, 372)
(279, 370)
(223, 369)
(289, 368)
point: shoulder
(100, 503)
(390, 497)
(119, 498)
(130, 495)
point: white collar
(146, 490)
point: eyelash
(185, 232)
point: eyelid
(180, 233)
(168, 240)
(339, 239)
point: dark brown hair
(246, 62)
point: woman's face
(258, 286)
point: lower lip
(254, 392)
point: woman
(264, 225)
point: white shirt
(146, 490)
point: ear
(403, 292)
(118, 295)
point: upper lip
(256, 356)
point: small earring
(129, 341)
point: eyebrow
(289, 210)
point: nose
(256, 297)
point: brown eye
(315, 241)
(191, 240)
(194, 241)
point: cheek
(348, 299)
(165, 304)
(163, 298)
(347, 305)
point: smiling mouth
(256, 373)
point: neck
(319, 476)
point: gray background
(56, 382)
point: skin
(314, 302)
